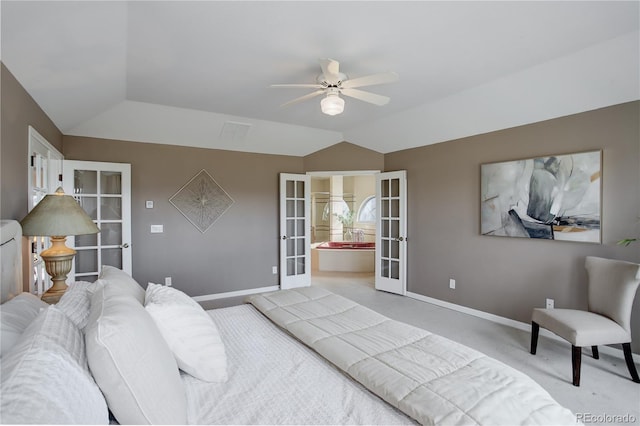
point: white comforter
(430, 378)
(273, 379)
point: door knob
(125, 245)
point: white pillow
(190, 332)
(45, 377)
(123, 281)
(131, 362)
(75, 303)
(15, 316)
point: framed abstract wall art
(558, 197)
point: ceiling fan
(333, 83)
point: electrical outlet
(167, 281)
(452, 283)
(274, 270)
(549, 304)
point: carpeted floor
(606, 394)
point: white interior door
(391, 232)
(104, 192)
(295, 230)
(45, 176)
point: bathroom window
(341, 208)
(367, 211)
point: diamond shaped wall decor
(202, 201)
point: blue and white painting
(555, 198)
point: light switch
(157, 229)
(149, 204)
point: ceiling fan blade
(371, 80)
(303, 98)
(330, 69)
(302, 85)
(372, 98)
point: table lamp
(57, 216)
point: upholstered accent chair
(612, 286)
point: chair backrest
(612, 288)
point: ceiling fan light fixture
(333, 83)
(332, 104)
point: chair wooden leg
(594, 352)
(576, 359)
(628, 356)
(535, 329)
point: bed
(113, 352)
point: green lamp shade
(58, 215)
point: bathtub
(343, 256)
(343, 245)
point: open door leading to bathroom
(295, 230)
(391, 232)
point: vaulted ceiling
(199, 73)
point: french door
(295, 230)
(45, 172)
(104, 192)
(391, 232)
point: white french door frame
(101, 219)
(44, 177)
(391, 232)
(387, 283)
(295, 230)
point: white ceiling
(175, 71)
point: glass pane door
(295, 229)
(103, 191)
(45, 168)
(391, 232)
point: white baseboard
(237, 293)
(509, 322)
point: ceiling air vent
(234, 132)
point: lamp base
(53, 295)
(58, 260)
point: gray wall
(503, 276)
(239, 249)
(510, 276)
(343, 156)
(19, 111)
